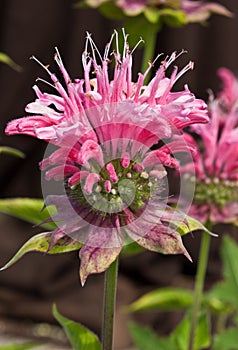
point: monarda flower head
(216, 162)
(184, 11)
(114, 182)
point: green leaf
(28, 209)
(131, 249)
(228, 340)
(173, 18)
(202, 335)
(111, 11)
(7, 60)
(146, 339)
(227, 290)
(80, 337)
(163, 299)
(41, 243)
(230, 262)
(138, 27)
(11, 151)
(25, 346)
(152, 14)
(190, 224)
(223, 296)
(215, 300)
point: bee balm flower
(216, 162)
(104, 129)
(193, 11)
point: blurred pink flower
(195, 11)
(216, 162)
(200, 11)
(104, 130)
(228, 97)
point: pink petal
(99, 251)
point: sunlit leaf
(163, 299)
(230, 262)
(25, 346)
(41, 243)
(190, 224)
(226, 295)
(216, 302)
(11, 152)
(152, 14)
(80, 337)
(28, 209)
(227, 290)
(228, 340)
(4, 58)
(173, 18)
(111, 11)
(202, 335)
(146, 339)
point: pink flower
(194, 11)
(216, 162)
(200, 11)
(228, 97)
(132, 8)
(104, 130)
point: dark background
(28, 289)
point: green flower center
(216, 192)
(124, 187)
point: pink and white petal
(39, 108)
(163, 240)
(131, 8)
(61, 171)
(99, 251)
(28, 125)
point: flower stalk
(110, 286)
(199, 285)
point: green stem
(110, 287)
(149, 49)
(199, 284)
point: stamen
(189, 66)
(94, 48)
(98, 189)
(126, 46)
(46, 82)
(174, 56)
(107, 48)
(41, 64)
(114, 191)
(138, 43)
(58, 58)
(144, 175)
(117, 43)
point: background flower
(216, 162)
(174, 12)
